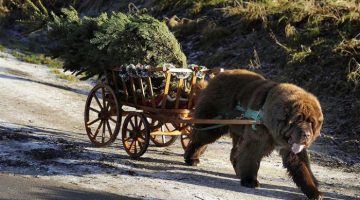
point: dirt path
(42, 135)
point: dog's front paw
(250, 183)
(192, 162)
(317, 196)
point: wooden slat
(174, 119)
(225, 121)
(151, 91)
(157, 69)
(106, 72)
(179, 70)
(162, 69)
(192, 91)
(157, 110)
(151, 69)
(114, 77)
(125, 90)
(142, 90)
(166, 90)
(202, 82)
(133, 89)
(178, 92)
(171, 133)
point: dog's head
(293, 115)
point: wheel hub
(136, 133)
(104, 114)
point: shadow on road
(32, 188)
(39, 151)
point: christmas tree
(90, 45)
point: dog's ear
(316, 119)
(275, 115)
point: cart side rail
(139, 91)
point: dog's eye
(311, 122)
(298, 118)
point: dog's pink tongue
(297, 148)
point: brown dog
(292, 119)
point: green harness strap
(248, 114)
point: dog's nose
(306, 134)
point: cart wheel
(135, 134)
(163, 140)
(185, 138)
(102, 115)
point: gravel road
(43, 147)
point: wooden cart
(149, 117)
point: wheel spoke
(131, 144)
(108, 105)
(131, 131)
(140, 123)
(142, 137)
(153, 122)
(103, 133)
(103, 96)
(126, 139)
(163, 138)
(136, 121)
(98, 129)
(109, 127)
(132, 123)
(113, 120)
(166, 126)
(96, 120)
(93, 109)
(97, 100)
(135, 149)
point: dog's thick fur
(290, 116)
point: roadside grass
(304, 23)
(55, 65)
(32, 52)
(69, 77)
(192, 7)
(314, 36)
(38, 59)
